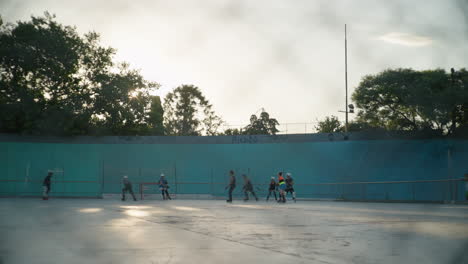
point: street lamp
(349, 110)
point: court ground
(191, 231)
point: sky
(284, 56)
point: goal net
(150, 191)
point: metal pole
(449, 170)
(212, 187)
(175, 179)
(346, 79)
(102, 178)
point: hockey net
(150, 191)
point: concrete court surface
(204, 231)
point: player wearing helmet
(164, 186)
(289, 186)
(282, 188)
(272, 188)
(248, 187)
(127, 188)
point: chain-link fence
(284, 128)
(211, 183)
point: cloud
(406, 39)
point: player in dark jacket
(272, 188)
(248, 187)
(127, 188)
(289, 186)
(164, 186)
(231, 185)
(46, 186)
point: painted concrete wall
(91, 169)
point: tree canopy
(188, 113)
(55, 82)
(405, 99)
(261, 125)
(330, 124)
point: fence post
(365, 191)
(449, 172)
(175, 178)
(212, 187)
(386, 192)
(102, 178)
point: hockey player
(231, 185)
(164, 186)
(46, 185)
(127, 187)
(282, 188)
(272, 188)
(289, 186)
(248, 187)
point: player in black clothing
(127, 188)
(231, 185)
(289, 186)
(248, 187)
(272, 188)
(46, 186)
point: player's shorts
(290, 189)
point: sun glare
(89, 210)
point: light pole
(346, 77)
(350, 106)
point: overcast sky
(285, 56)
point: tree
(330, 124)
(55, 82)
(263, 125)
(233, 132)
(188, 113)
(359, 125)
(404, 99)
(156, 116)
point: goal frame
(142, 188)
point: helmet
(272, 178)
(125, 177)
(162, 174)
(288, 174)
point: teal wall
(93, 169)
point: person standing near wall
(282, 188)
(164, 186)
(46, 186)
(272, 188)
(231, 185)
(127, 187)
(289, 186)
(248, 187)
